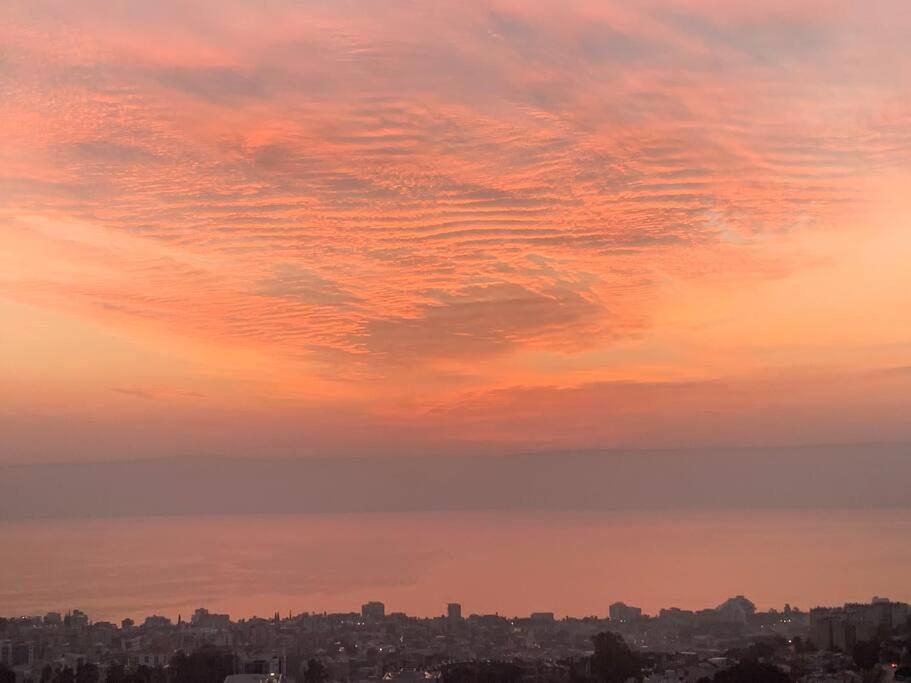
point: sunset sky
(342, 227)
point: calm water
(514, 563)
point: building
(76, 619)
(833, 629)
(203, 618)
(264, 665)
(149, 659)
(454, 611)
(14, 654)
(156, 621)
(736, 610)
(620, 611)
(839, 628)
(373, 610)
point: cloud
(109, 152)
(150, 394)
(480, 320)
(216, 84)
(134, 392)
(494, 195)
(298, 284)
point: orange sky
(342, 227)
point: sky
(337, 228)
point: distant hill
(841, 476)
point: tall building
(736, 610)
(16, 654)
(156, 621)
(833, 629)
(203, 618)
(373, 610)
(454, 611)
(76, 619)
(620, 611)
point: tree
(142, 674)
(205, 665)
(802, 646)
(88, 673)
(750, 671)
(482, 672)
(7, 675)
(613, 661)
(316, 672)
(115, 674)
(65, 675)
(865, 654)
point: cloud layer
(385, 218)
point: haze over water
(508, 562)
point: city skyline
(618, 611)
(732, 641)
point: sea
(511, 563)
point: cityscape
(852, 643)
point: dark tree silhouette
(803, 646)
(613, 661)
(752, 672)
(116, 674)
(205, 665)
(482, 672)
(88, 673)
(65, 675)
(757, 650)
(865, 654)
(144, 674)
(316, 672)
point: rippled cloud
(451, 196)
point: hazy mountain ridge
(852, 476)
